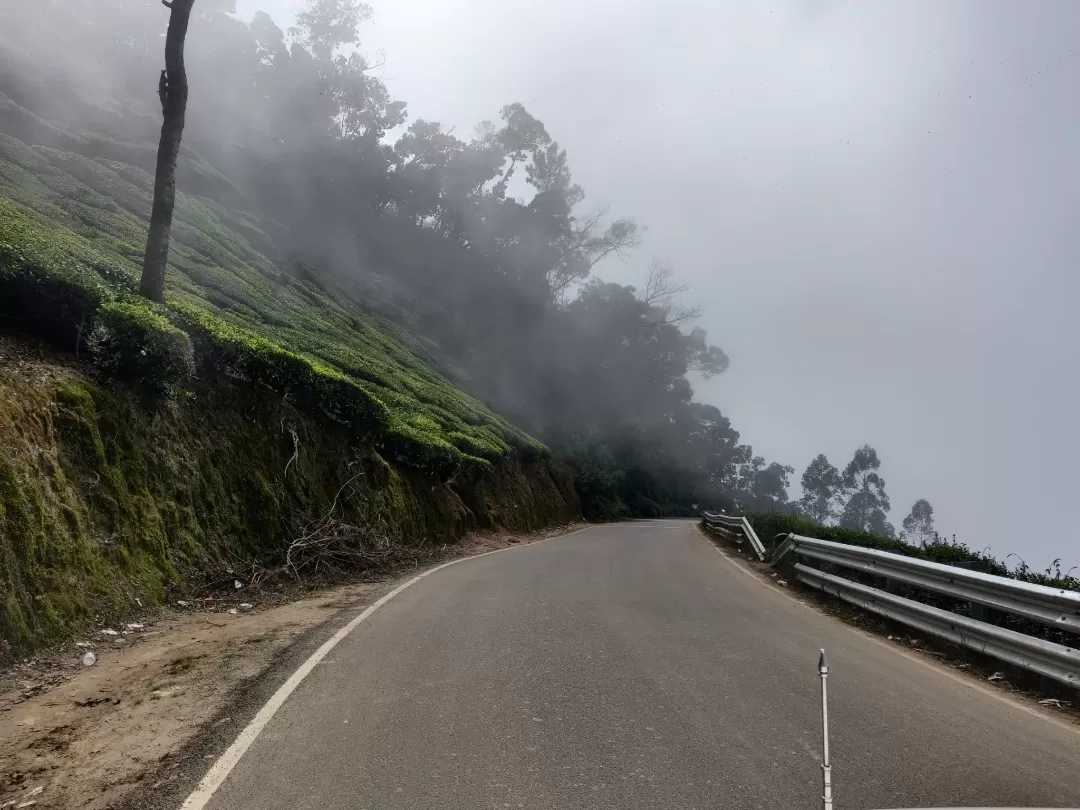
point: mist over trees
(821, 485)
(919, 524)
(480, 247)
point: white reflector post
(826, 769)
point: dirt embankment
(76, 736)
(111, 504)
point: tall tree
(864, 487)
(919, 524)
(821, 485)
(770, 484)
(173, 92)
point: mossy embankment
(156, 450)
(107, 502)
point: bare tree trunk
(173, 91)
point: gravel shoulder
(77, 736)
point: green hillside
(72, 230)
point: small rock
(89, 659)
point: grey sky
(875, 204)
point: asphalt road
(630, 667)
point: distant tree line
(481, 247)
(856, 499)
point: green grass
(72, 233)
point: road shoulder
(140, 726)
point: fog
(872, 204)
(875, 205)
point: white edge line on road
(221, 769)
(940, 669)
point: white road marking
(940, 669)
(221, 769)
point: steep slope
(106, 505)
(77, 221)
(110, 496)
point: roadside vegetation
(771, 527)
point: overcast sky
(875, 203)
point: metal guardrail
(1053, 607)
(1034, 654)
(735, 526)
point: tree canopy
(864, 489)
(919, 524)
(821, 485)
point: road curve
(626, 667)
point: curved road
(626, 667)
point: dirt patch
(1045, 695)
(76, 736)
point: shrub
(133, 343)
(44, 290)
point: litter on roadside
(89, 659)
(108, 632)
(182, 603)
(246, 606)
(233, 611)
(997, 676)
(134, 626)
